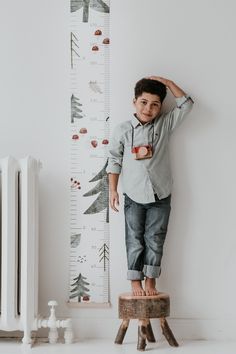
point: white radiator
(19, 245)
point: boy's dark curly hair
(150, 86)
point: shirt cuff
(114, 169)
(181, 100)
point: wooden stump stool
(143, 308)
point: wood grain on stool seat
(129, 296)
(154, 306)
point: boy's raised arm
(184, 104)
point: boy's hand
(114, 200)
(164, 81)
(176, 90)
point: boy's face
(148, 107)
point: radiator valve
(53, 324)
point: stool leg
(168, 333)
(122, 331)
(150, 335)
(142, 334)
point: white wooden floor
(107, 346)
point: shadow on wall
(176, 249)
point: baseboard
(189, 329)
(183, 329)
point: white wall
(190, 42)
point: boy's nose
(147, 109)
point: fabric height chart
(89, 136)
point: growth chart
(89, 136)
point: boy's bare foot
(150, 286)
(137, 289)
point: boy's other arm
(175, 90)
(114, 196)
(184, 104)
(115, 161)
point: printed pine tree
(102, 201)
(97, 5)
(75, 110)
(79, 289)
(73, 48)
(75, 240)
(104, 255)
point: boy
(139, 151)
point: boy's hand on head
(114, 200)
(175, 90)
(161, 79)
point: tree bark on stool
(144, 308)
(122, 331)
(150, 335)
(142, 335)
(140, 307)
(168, 333)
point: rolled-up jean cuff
(135, 275)
(151, 271)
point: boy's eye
(156, 104)
(153, 104)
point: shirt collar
(135, 122)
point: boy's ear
(134, 100)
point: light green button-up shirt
(141, 179)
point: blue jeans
(145, 233)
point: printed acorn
(83, 131)
(106, 41)
(94, 143)
(105, 142)
(98, 32)
(95, 48)
(75, 137)
(86, 298)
